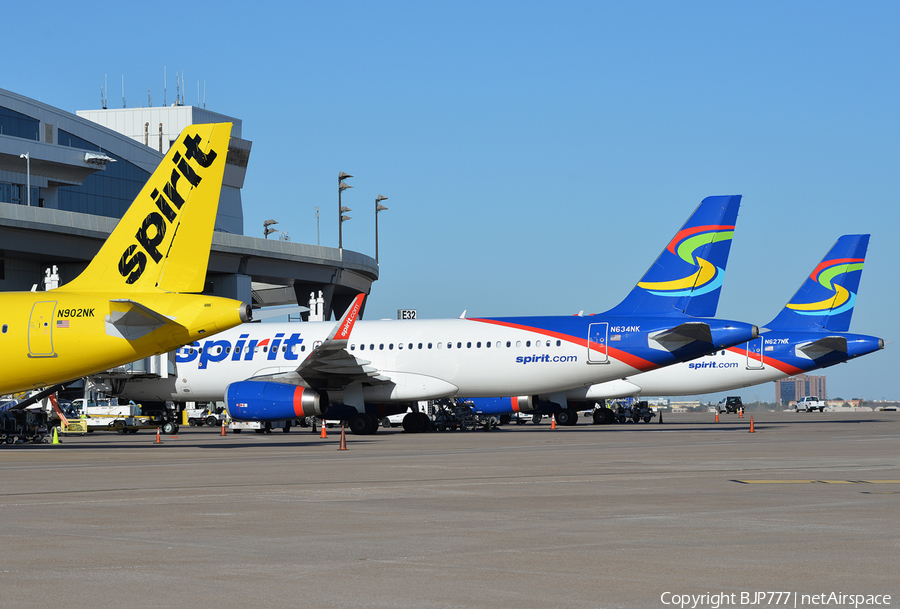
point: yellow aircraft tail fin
(162, 242)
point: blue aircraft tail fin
(687, 277)
(825, 300)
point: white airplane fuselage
(423, 359)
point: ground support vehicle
(810, 403)
(634, 412)
(263, 426)
(20, 426)
(211, 416)
(731, 404)
(521, 418)
(451, 415)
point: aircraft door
(598, 337)
(755, 354)
(40, 329)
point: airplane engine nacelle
(523, 403)
(271, 401)
(491, 406)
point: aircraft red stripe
(828, 263)
(634, 361)
(771, 361)
(681, 236)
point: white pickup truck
(810, 403)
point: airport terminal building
(66, 179)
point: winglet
(343, 328)
(687, 277)
(162, 242)
(826, 299)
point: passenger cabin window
(429, 345)
(5, 328)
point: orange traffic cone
(343, 445)
(223, 428)
(741, 413)
(323, 435)
(158, 441)
(717, 416)
(752, 430)
(552, 422)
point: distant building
(686, 406)
(793, 388)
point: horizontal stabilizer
(131, 320)
(681, 335)
(823, 346)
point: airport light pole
(268, 231)
(341, 209)
(27, 157)
(378, 207)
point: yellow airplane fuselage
(54, 337)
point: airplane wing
(823, 346)
(681, 336)
(330, 366)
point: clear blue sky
(536, 156)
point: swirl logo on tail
(708, 276)
(825, 274)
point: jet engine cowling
(271, 401)
(491, 406)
